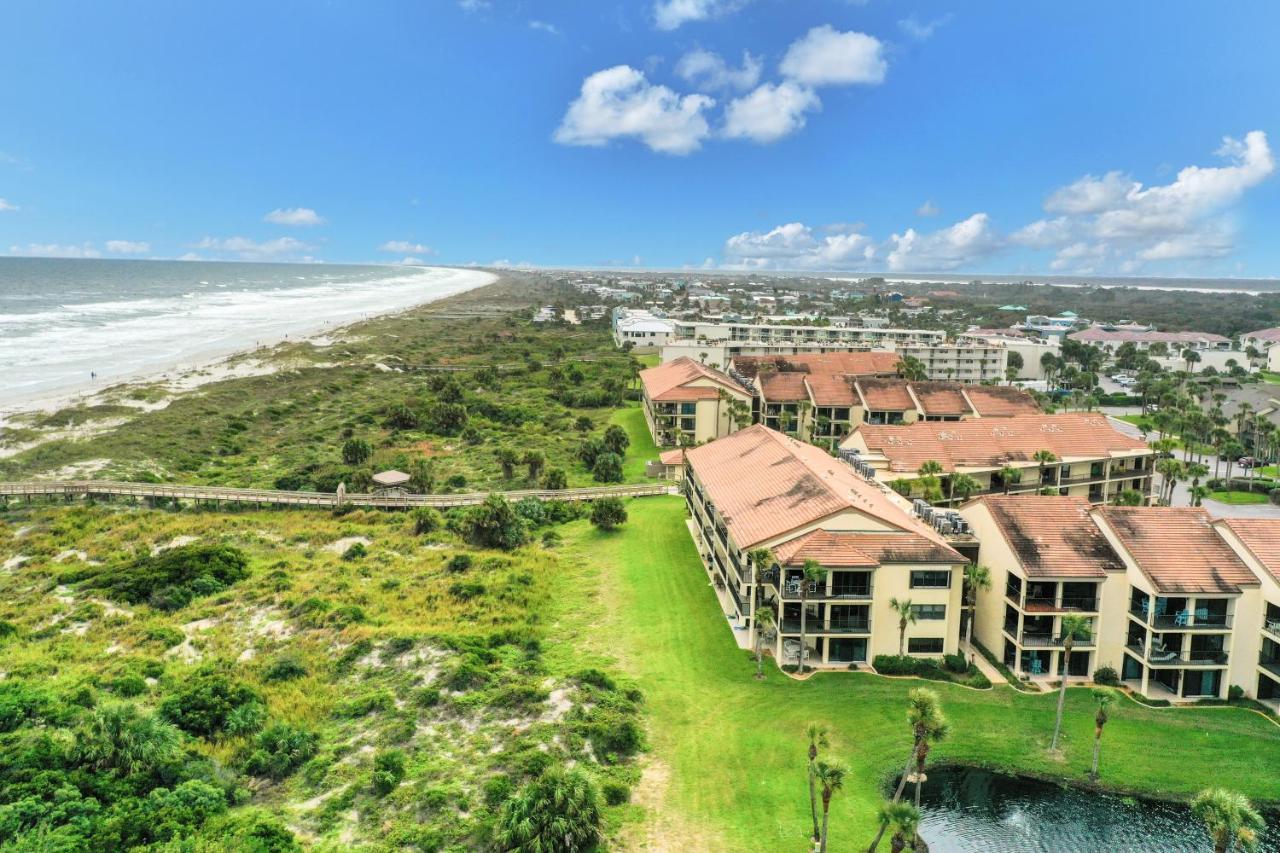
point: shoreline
(212, 365)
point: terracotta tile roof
(672, 457)
(1178, 549)
(986, 443)
(1099, 334)
(883, 395)
(1262, 537)
(669, 382)
(941, 398)
(831, 390)
(1271, 335)
(782, 387)
(1001, 401)
(1052, 537)
(872, 363)
(838, 549)
(765, 484)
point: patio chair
(1036, 667)
(1160, 654)
(1182, 618)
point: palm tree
(1074, 628)
(901, 821)
(913, 369)
(831, 775)
(976, 578)
(963, 485)
(817, 739)
(928, 723)
(815, 574)
(1104, 697)
(906, 616)
(1043, 458)
(1229, 818)
(764, 621)
(1009, 474)
(1171, 472)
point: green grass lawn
(1238, 498)
(1268, 376)
(653, 359)
(727, 761)
(642, 449)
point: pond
(967, 810)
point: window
(688, 408)
(929, 611)
(931, 579)
(924, 646)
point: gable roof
(1101, 334)
(782, 387)
(871, 363)
(1271, 335)
(1052, 537)
(941, 398)
(990, 443)
(669, 382)
(1261, 536)
(765, 484)
(829, 389)
(886, 395)
(1001, 401)
(1178, 549)
(839, 549)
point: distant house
(686, 402)
(1267, 342)
(1111, 339)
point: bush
(284, 669)
(426, 520)
(388, 771)
(608, 513)
(560, 810)
(894, 665)
(129, 685)
(172, 578)
(355, 552)
(356, 451)
(458, 563)
(607, 468)
(615, 793)
(164, 635)
(206, 701)
(616, 439)
(1235, 693)
(7, 630)
(1106, 676)
(555, 479)
(956, 663)
(494, 524)
(279, 750)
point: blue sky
(1090, 137)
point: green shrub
(388, 771)
(1235, 693)
(1106, 676)
(279, 750)
(426, 520)
(7, 630)
(427, 697)
(607, 468)
(355, 552)
(497, 790)
(284, 669)
(595, 678)
(956, 663)
(466, 590)
(164, 635)
(608, 513)
(368, 703)
(560, 810)
(129, 685)
(458, 563)
(171, 579)
(206, 701)
(494, 524)
(615, 793)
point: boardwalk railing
(111, 488)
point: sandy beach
(243, 349)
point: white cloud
(191, 256)
(474, 5)
(128, 247)
(962, 243)
(796, 246)
(544, 27)
(919, 31)
(708, 71)
(53, 250)
(671, 14)
(1117, 218)
(826, 57)
(401, 247)
(770, 112)
(411, 261)
(928, 209)
(294, 216)
(252, 250)
(620, 102)
(6, 205)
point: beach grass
(726, 769)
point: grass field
(1238, 498)
(642, 449)
(727, 765)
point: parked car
(1247, 462)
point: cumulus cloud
(1117, 218)
(826, 56)
(54, 250)
(922, 31)
(128, 247)
(401, 247)
(253, 250)
(964, 242)
(294, 216)
(672, 14)
(6, 205)
(709, 71)
(928, 209)
(620, 102)
(770, 112)
(796, 246)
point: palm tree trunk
(826, 806)
(1062, 695)
(813, 806)
(876, 841)
(1097, 750)
(759, 655)
(968, 631)
(902, 780)
(804, 609)
(902, 637)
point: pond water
(971, 811)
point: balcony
(836, 626)
(1069, 603)
(1271, 627)
(1049, 641)
(1183, 620)
(1271, 663)
(1160, 657)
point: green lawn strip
(653, 359)
(1238, 498)
(734, 747)
(642, 449)
(1268, 376)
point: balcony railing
(1176, 658)
(1184, 620)
(1272, 627)
(1271, 663)
(836, 626)
(1038, 640)
(1075, 603)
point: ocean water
(63, 320)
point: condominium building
(1030, 348)
(1091, 458)
(641, 329)
(1266, 342)
(1180, 605)
(783, 333)
(960, 362)
(758, 489)
(1111, 339)
(685, 402)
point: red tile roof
(1001, 401)
(765, 484)
(1271, 335)
(1099, 335)
(886, 395)
(672, 457)
(669, 382)
(992, 443)
(872, 363)
(831, 390)
(837, 549)
(1178, 549)
(1262, 537)
(941, 398)
(1052, 537)
(782, 387)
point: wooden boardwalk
(325, 500)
